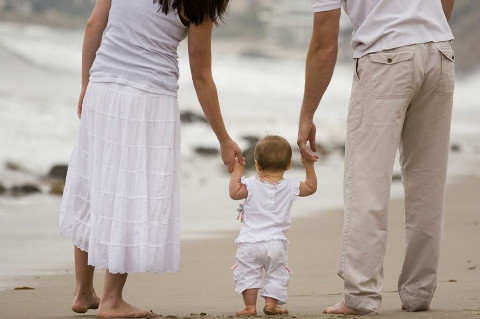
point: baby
(265, 215)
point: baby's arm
(308, 187)
(237, 190)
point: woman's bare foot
(122, 310)
(274, 310)
(339, 308)
(247, 311)
(83, 302)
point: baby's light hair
(273, 152)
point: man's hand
(306, 162)
(306, 132)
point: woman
(121, 203)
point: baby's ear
(257, 166)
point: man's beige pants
(401, 99)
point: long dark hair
(196, 11)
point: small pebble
(24, 288)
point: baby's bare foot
(247, 311)
(83, 302)
(274, 310)
(339, 308)
(123, 310)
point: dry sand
(204, 286)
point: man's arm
(321, 59)
(447, 8)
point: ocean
(39, 87)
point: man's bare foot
(339, 308)
(274, 310)
(83, 302)
(247, 311)
(123, 310)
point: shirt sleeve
(246, 181)
(325, 5)
(243, 180)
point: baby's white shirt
(267, 209)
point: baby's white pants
(252, 258)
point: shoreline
(204, 283)
(45, 252)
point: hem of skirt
(76, 244)
(170, 271)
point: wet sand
(204, 286)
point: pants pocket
(277, 251)
(446, 81)
(392, 74)
(246, 252)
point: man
(401, 99)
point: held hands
(306, 132)
(237, 167)
(229, 150)
(306, 162)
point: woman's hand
(229, 150)
(80, 102)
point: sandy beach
(29, 242)
(204, 285)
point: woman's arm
(200, 55)
(309, 186)
(236, 189)
(96, 24)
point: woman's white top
(386, 24)
(267, 209)
(139, 47)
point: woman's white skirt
(121, 198)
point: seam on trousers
(349, 181)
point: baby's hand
(306, 162)
(237, 166)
